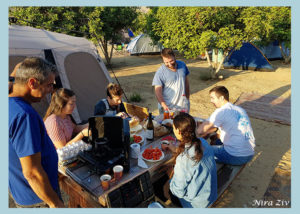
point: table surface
(156, 170)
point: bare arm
(79, 128)
(187, 88)
(38, 180)
(159, 96)
(78, 137)
(206, 128)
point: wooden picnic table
(79, 196)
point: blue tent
(130, 33)
(249, 57)
(272, 51)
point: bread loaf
(134, 122)
(161, 131)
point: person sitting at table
(194, 180)
(112, 105)
(60, 126)
(237, 142)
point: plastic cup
(172, 112)
(105, 181)
(164, 144)
(118, 172)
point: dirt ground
(273, 140)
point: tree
(100, 24)
(105, 24)
(268, 24)
(194, 30)
(66, 20)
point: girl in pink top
(59, 123)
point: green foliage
(191, 30)
(135, 97)
(100, 24)
(267, 24)
(151, 18)
(194, 30)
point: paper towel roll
(135, 150)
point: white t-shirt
(173, 84)
(236, 131)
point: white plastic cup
(105, 181)
(118, 172)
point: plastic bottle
(166, 114)
(185, 104)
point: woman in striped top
(59, 123)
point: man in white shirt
(171, 83)
(236, 133)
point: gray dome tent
(143, 44)
(80, 67)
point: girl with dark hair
(194, 180)
(58, 120)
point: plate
(166, 121)
(136, 128)
(198, 119)
(168, 138)
(162, 157)
(142, 140)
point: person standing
(171, 83)
(33, 161)
(237, 142)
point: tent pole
(118, 81)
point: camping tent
(249, 57)
(272, 51)
(143, 44)
(80, 67)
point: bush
(135, 97)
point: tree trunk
(211, 68)
(104, 49)
(287, 58)
(221, 63)
(111, 52)
(216, 54)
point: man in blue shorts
(33, 161)
(171, 83)
(237, 142)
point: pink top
(59, 129)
